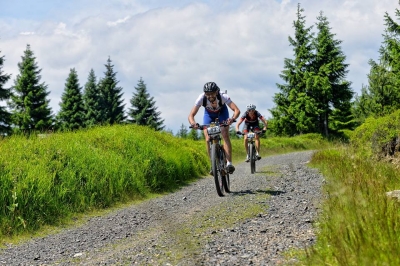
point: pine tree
(329, 87)
(92, 101)
(182, 132)
(169, 131)
(71, 115)
(343, 118)
(193, 134)
(296, 110)
(29, 103)
(111, 97)
(382, 94)
(143, 111)
(5, 116)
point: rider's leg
(207, 119)
(246, 142)
(257, 144)
(257, 141)
(207, 138)
(223, 115)
(227, 143)
(228, 149)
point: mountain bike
(218, 157)
(251, 147)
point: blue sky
(177, 46)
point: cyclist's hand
(195, 125)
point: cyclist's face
(251, 111)
(211, 96)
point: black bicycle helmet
(210, 87)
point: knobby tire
(252, 158)
(216, 169)
(225, 179)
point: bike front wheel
(225, 178)
(252, 158)
(216, 170)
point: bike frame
(218, 157)
(251, 148)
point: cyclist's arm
(238, 123)
(192, 114)
(235, 109)
(265, 123)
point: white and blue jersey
(215, 109)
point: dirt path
(267, 213)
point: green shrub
(378, 137)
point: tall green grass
(359, 225)
(44, 180)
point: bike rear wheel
(225, 178)
(216, 169)
(252, 158)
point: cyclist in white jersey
(215, 106)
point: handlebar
(256, 132)
(221, 124)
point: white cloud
(27, 33)
(119, 21)
(176, 48)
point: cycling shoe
(230, 168)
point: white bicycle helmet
(251, 107)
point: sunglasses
(210, 94)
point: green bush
(378, 137)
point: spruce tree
(330, 89)
(30, 107)
(92, 101)
(343, 118)
(144, 111)
(71, 115)
(193, 135)
(111, 97)
(380, 97)
(5, 116)
(296, 110)
(382, 94)
(182, 132)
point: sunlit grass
(359, 224)
(44, 181)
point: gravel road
(266, 215)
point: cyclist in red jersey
(251, 119)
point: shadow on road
(248, 191)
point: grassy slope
(359, 224)
(46, 181)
